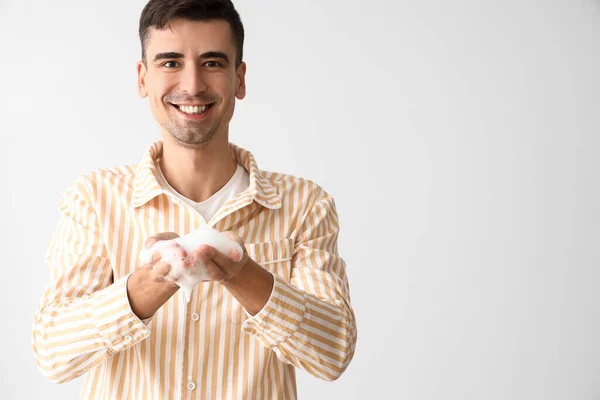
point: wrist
(243, 273)
(252, 287)
(146, 295)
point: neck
(197, 173)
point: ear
(141, 72)
(240, 90)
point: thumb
(159, 236)
(236, 238)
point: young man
(282, 304)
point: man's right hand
(147, 288)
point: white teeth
(193, 109)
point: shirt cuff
(117, 324)
(281, 316)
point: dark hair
(158, 13)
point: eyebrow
(169, 54)
(208, 54)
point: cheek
(156, 107)
(157, 102)
(159, 87)
(223, 85)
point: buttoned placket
(186, 309)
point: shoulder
(296, 189)
(88, 186)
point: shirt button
(195, 317)
(128, 339)
(191, 385)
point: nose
(191, 80)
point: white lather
(188, 277)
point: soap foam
(188, 277)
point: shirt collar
(146, 186)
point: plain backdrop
(460, 140)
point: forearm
(252, 287)
(146, 295)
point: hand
(156, 268)
(147, 289)
(222, 267)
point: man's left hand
(222, 267)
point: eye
(170, 64)
(212, 64)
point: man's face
(191, 80)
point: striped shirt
(209, 348)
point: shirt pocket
(275, 257)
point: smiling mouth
(193, 110)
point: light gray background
(459, 138)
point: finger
(223, 259)
(180, 257)
(155, 257)
(166, 235)
(160, 236)
(204, 252)
(235, 254)
(209, 252)
(173, 252)
(214, 272)
(150, 241)
(161, 269)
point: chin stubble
(190, 132)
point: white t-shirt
(239, 182)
